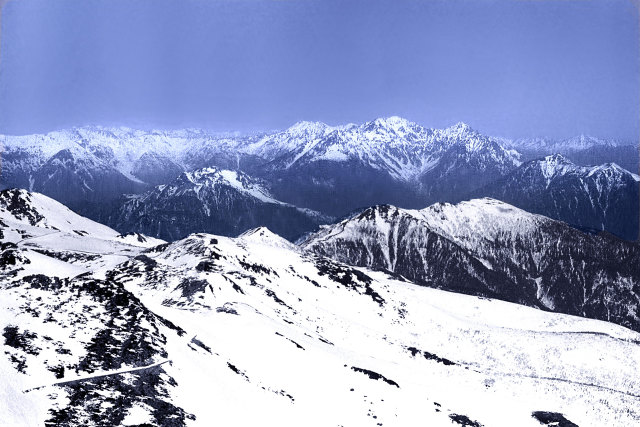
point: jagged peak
(463, 133)
(555, 164)
(212, 177)
(459, 129)
(394, 123)
(200, 174)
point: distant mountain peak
(307, 127)
(459, 129)
(583, 141)
(393, 123)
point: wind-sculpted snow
(507, 252)
(211, 330)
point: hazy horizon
(554, 69)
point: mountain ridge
(517, 256)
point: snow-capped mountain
(396, 147)
(601, 197)
(398, 241)
(209, 200)
(143, 157)
(403, 149)
(390, 160)
(487, 247)
(254, 331)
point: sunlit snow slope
(252, 330)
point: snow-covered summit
(393, 123)
(479, 220)
(556, 164)
(458, 130)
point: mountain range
(332, 170)
(105, 329)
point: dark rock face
(603, 198)
(552, 419)
(551, 265)
(595, 276)
(17, 167)
(463, 420)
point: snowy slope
(72, 244)
(489, 248)
(253, 331)
(23, 212)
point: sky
(513, 68)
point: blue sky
(513, 68)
